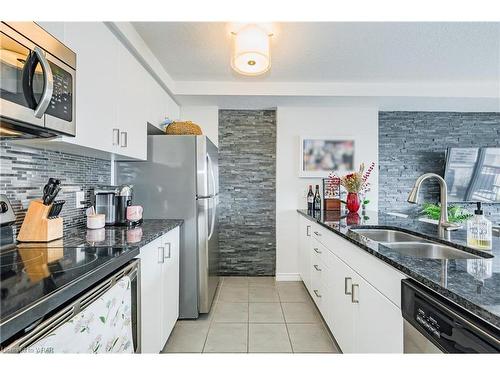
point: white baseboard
(288, 277)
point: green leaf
(455, 213)
(102, 319)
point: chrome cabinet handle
(317, 250)
(308, 231)
(169, 248)
(354, 296)
(161, 254)
(116, 137)
(48, 86)
(317, 294)
(317, 234)
(317, 268)
(346, 288)
(124, 139)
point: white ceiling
(334, 52)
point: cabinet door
(158, 107)
(96, 83)
(133, 107)
(151, 281)
(339, 316)
(378, 324)
(304, 255)
(170, 283)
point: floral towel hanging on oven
(105, 326)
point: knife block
(37, 227)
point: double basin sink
(412, 245)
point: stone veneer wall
(24, 171)
(412, 143)
(247, 174)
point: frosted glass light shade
(251, 54)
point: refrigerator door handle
(212, 174)
(204, 196)
(212, 226)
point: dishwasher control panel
(447, 326)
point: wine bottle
(310, 199)
(317, 199)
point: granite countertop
(37, 278)
(473, 284)
(117, 236)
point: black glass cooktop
(28, 273)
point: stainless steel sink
(387, 235)
(429, 250)
(412, 245)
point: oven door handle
(36, 56)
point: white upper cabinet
(115, 95)
(96, 91)
(132, 105)
(161, 105)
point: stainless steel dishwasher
(433, 324)
(47, 326)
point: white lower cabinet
(150, 297)
(305, 256)
(170, 283)
(378, 324)
(361, 318)
(159, 291)
(340, 318)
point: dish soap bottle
(479, 234)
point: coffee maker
(123, 200)
(112, 202)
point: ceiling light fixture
(251, 50)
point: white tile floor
(255, 315)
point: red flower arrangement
(355, 182)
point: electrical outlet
(80, 197)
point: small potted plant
(356, 183)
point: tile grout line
(248, 316)
(284, 319)
(214, 307)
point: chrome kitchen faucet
(443, 191)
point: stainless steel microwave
(37, 83)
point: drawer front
(318, 270)
(318, 232)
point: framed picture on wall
(321, 155)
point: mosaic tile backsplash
(412, 143)
(25, 170)
(247, 175)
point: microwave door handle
(48, 85)
(48, 82)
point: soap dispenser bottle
(479, 234)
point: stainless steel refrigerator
(180, 180)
